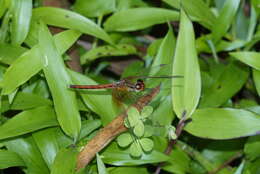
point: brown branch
(108, 133)
(171, 143)
(226, 163)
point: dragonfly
(125, 88)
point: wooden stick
(112, 130)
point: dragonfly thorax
(130, 86)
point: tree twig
(108, 133)
(226, 163)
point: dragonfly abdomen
(93, 86)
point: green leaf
(95, 8)
(99, 102)
(9, 159)
(147, 144)
(17, 74)
(186, 97)
(47, 144)
(107, 51)
(256, 78)
(124, 139)
(223, 123)
(88, 126)
(128, 170)
(58, 79)
(250, 58)
(166, 50)
(65, 162)
(28, 151)
(135, 150)
(224, 20)
(227, 84)
(21, 16)
(115, 156)
(139, 18)
(27, 121)
(133, 116)
(24, 101)
(198, 11)
(147, 111)
(101, 166)
(148, 131)
(252, 147)
(163, 114)
(8, 53)
(4, 5)
(179, 162)
(139, 129)
(64, 18)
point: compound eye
(139, 85)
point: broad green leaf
(9, 159)
(5, 27)
(124, 139)
(198, 11)
(135, 150)
(223, 123)
(4, 5)
(47, 144)
(225, 19)
(256, 78)
(17, 73)
(186, 90)
(107, 51)
(95, 8)
(139, 18)
(252, 167)
(115, 156)
(65, 162)
(126, 4)
(219, 152)
(147, 144)
(128, 170)
(58, 80)
(228, 83)
(101, 166)
(98, 101)
(163, 114)
(28, 151)
(28, 121)
(64, 18)
(8, 53)
(202, 45)
(244, 24)
(88, 126)
(166, 50)
(250, 58)
(21, 16)
(179, 162)
(24, 101)
(252, 147)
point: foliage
(212, 46)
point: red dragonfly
(121, 89)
